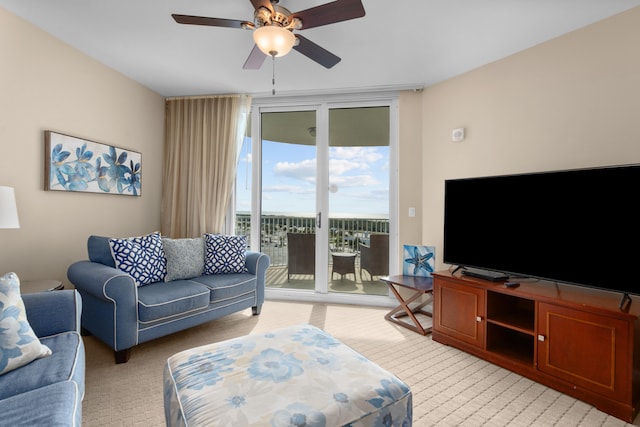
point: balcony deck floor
(277, 278)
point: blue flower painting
(418, 260)
(75, 164)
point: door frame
(322, 104)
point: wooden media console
(574, 339)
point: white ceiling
(396, 45)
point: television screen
(576, 226)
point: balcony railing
(344, 233)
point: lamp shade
(273, 40)
(8, 209)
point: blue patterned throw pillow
(141, 257)
(224, 254)
(19, 345)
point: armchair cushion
(19, 345)
(66, 363)
(141, 257)
(224, 254)
(58, 404)
(185, 258)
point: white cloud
(304, 170)
(366, 155)
(354, 181)
(288, 189)
(343, 166)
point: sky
(360, 175)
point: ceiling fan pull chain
(273, 74)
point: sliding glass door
(288, 197)
(358, 205)
(320, 188)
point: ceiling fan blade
(255, 60)
(315, 52)
(211, 22)
(257, 4)
(329, 13)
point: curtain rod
(177, 98)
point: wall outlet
(412, 212)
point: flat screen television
(578, 226)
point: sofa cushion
(58, 404)
(66, 363)
(185, 258)
(166, 299)
(100, 251)
(225, 254)
(142, 257)
(226, 286)
(19, 345)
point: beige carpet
(450, 387)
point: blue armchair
(48, 391)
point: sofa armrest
(257, 263)
(110, 298)
(53, 312)
(103, 282)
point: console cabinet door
(459, 311)
(587, 349)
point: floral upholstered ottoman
(296, 376)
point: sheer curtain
(202, 137)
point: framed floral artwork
(418, 260)
(80, 165)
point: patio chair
(301, 254)
(374, 257)
(343, 263)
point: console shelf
(547, 332)
(512, 324)
(511, 312)
(510, 344)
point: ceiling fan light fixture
(274, 40)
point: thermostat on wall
(457, 135)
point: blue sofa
(123, 315)
(48, 391)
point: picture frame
(418, 260)
(80, 165)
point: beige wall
(410, 170)
(569, 103)
(47, 85)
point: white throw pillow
(19, 345)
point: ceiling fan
(275, 24)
